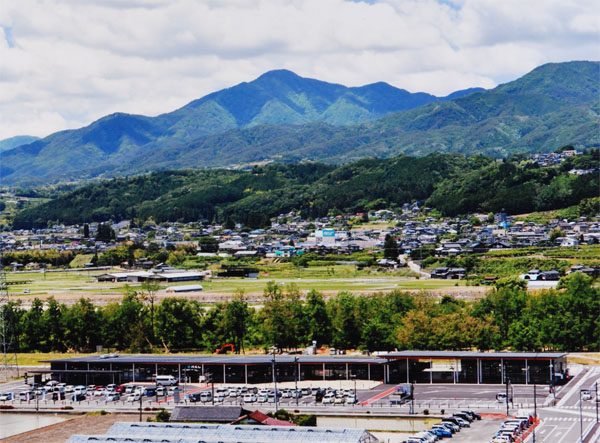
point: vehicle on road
(586, 394)
(533, 274)
(501, 398)
(166, 380)
(5, 396)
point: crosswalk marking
(568, 419)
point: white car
(113, 396)
(220, 397)
(6, 396)
(339, 400)
(99, 392)
(586, 395)
(329, 398)
(534, 274)
(262, 398)
(134, 397)
(250, 398)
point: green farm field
(67, 287)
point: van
(165, 380)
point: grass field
(73, 285)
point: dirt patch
(466, 292)
(61, 432)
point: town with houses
(290, 236)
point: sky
(66, 63)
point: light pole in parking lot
(274, 380)
(296, 378)
(353, 377)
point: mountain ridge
(551, 106)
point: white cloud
(65, 63)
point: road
(569, 418)
(416, 268)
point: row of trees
(508, 317)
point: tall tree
(390, 248)
(318, 326)
(236, 316)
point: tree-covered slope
(283, 117)
(13, 142)
(452, 183)
(276, 97)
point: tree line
(450, 183)
(507, 317)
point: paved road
(569, 418)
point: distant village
(289, 236)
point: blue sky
(66, 63)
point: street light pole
(597, 399)
(274, 382)
(534, 407)
(296, 378)
(355, 399)
(580, 418)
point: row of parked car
(446, 428)
(254, 395)
(513, 428)
(54, 390)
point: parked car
(6, 396)
(58, 395)
(134, 397)
(329, 398)
(262, 398)
(206, 396)
(113, 396)
(250, 398)
(27, 395)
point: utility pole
(296, 380)
(274, 380)
(597, 399)
(534, 407)
(580, 418)
(9, 358)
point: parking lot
(310, 395)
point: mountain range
(281, 116)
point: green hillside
(285, 118)
(452, 183)
(13, 142)
(277, 97)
